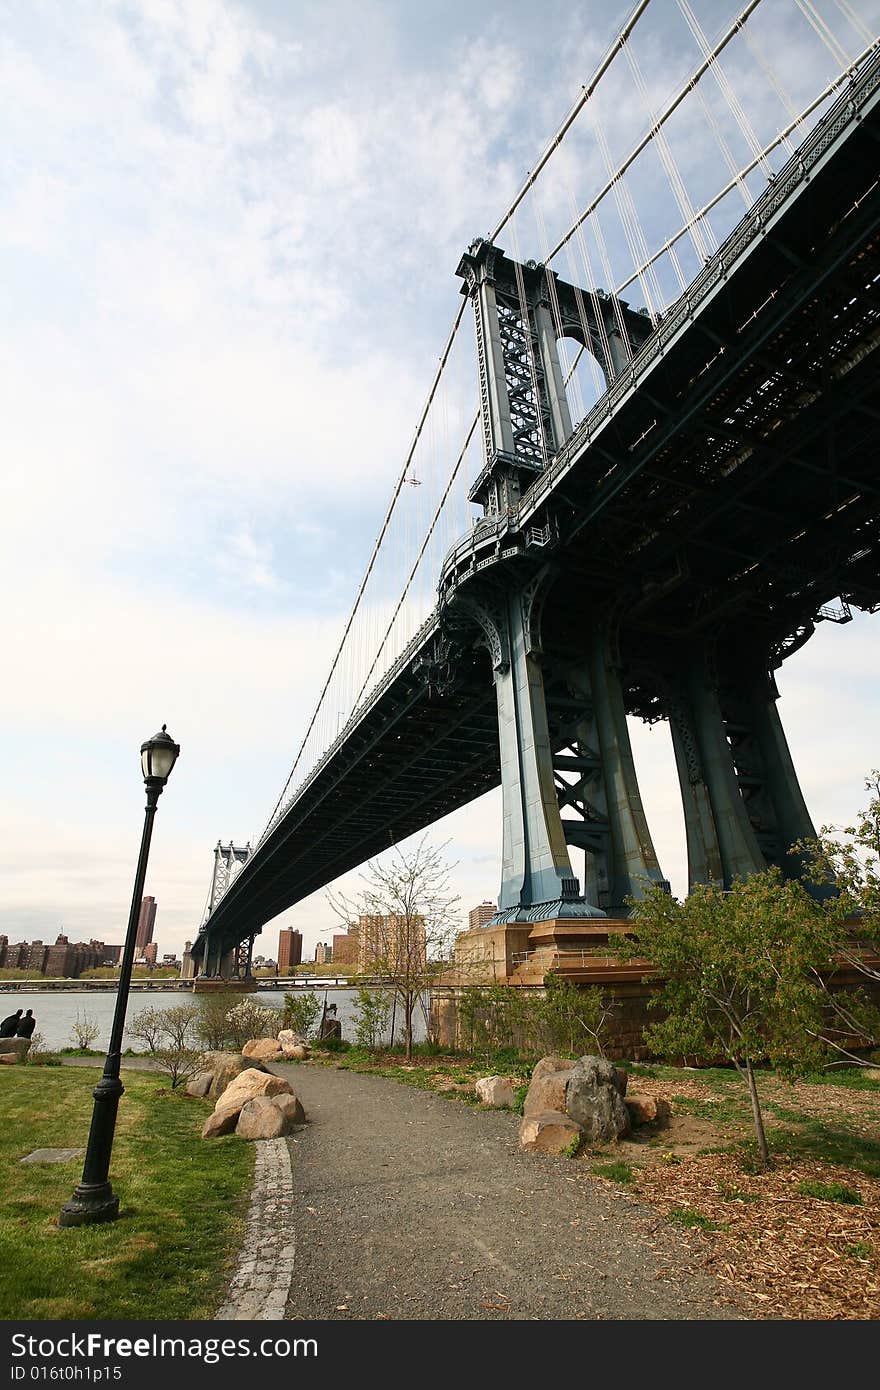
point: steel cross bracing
(678, 545)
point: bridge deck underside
(737, 486)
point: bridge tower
(561, 713)
(228, 862)
(567, 770)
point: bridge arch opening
(582, 376)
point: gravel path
(406, 1205)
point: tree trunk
(756, 1115)
(408, 1006)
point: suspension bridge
(609, 510)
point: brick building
(290, 950)
(146, 923)
(390, 940)
(64, 960)
(346, 947)
(479, 916)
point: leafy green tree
(849, 859)
(372, 1011)
(300, 1012)
(739, 977)
(574, 1019)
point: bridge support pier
(621, 862)
(743, 804)
(537, 880)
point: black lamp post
(94, 1199)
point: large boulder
(262, 1049)
(291, 1108)
(199, 1085)
(248, 1084)
(16, 1048)
(293, 1046)
(547, 1087)
(594, 1099)
(216, 1124)
(496, 1091)
(550, 1133)
(220, 1068)
(261, 1118)
(646, 1110)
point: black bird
(9, 1025)
(26, 1025)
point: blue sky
(228, 234)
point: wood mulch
(795, 1256)
(798, 1257)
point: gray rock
(16, 1047)
(200, 1084)
(496, 1091)
(594, 1099)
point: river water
(56, 1011)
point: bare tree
(406, 918)
(170, 1038)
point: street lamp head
(158, 756)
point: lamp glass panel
(162, 760)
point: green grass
(816, 1140)
(615, 1172)
(830, 1192)
(686, 1216)
(851, 1078)
(860, 1250)
(182, 1203)
(731, 1193)
(520, 1093)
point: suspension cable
(444, 358)
(661, 120)
(586, 92)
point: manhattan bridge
(610, 511)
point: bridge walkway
(407, 1205)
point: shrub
(300, 1012)
(84, 1031)
(170, 1037)
(212, 1027)
(247, 1019)
(372, 1011)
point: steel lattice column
(614, 829)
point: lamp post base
(90, 1204)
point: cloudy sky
(228, 233)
